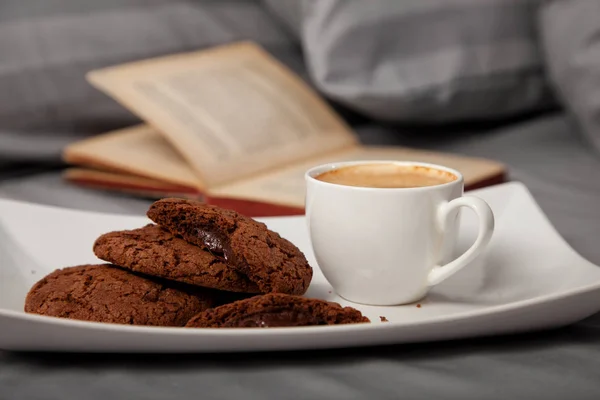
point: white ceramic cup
(388, 246)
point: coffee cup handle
(486, 228)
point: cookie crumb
(383, 319)
(418, 306)
(329, 292)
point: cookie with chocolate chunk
(276, 310)
(272, 262)
(106, 293)
(152, 250)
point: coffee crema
(387, 176)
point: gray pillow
(289, 13)
(570, 32)
(47, 46)
(427, 60)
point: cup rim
(310, 174)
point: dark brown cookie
(275, 310)
(153, 250)
(275, 264)
(106, 293)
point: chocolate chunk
(275, 319)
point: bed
(542, 149)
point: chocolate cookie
(276, 310)
(275, 264)
(105, 293)
(153, 250)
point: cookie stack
(195, 265)
(209, 247)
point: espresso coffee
(387, 175)
(385, 247)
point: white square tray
(528, 279)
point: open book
(232, 126)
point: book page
(139, 150)
(287, 186)
(232, 111)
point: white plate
(528, 279)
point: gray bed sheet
(544, 153)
